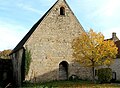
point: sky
(18, 16)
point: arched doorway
(63, 70)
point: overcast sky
(18, 16)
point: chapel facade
(49, 43)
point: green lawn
(70, 84)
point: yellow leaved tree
(91, 50)
(5, 54)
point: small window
(62, 11)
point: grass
(70, 84)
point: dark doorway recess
(63, 70)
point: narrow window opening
(62, 11)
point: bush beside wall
(104, 75)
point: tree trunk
(93, 73)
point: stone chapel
(49, 43)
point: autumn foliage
(91, 49)
(5, 54)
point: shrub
(27, 60)
(104, 75)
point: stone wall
(50, 44)
(116, 68)
(17, 66)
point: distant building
(116, 65)
(116, 41)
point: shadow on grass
(70, 84)
(76, 83)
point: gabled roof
(26, 37)
(22, 42)
(114, 37)
(116, 41)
